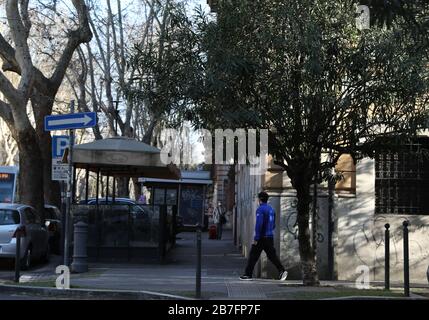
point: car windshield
(9, 217)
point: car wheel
(27, 259)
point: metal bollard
(80, 257)
(406, 261)
(18, 255)
(387, 257)
(427, 273)
(198, 273)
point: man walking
(263, 239)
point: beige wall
(361, 234)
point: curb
(90, 293)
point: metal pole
(406, 261)
(97, 187)
(86, 184)
(198, 273)
(331, 224)
(18, 254)
(161, 228)
(107, 190)
(73, 195)
(205, 226)
(114, 189)
(63, 216)
(69, 193)
(387, 257)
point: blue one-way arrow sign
(71, 121)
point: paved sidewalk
(222, 264)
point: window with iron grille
(402, 180)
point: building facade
(350, 222)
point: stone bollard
(80, 257)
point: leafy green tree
(384, 13)
(303, 70)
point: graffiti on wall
(292, 223)
(369, 243)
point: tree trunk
(42, 106)
(52, 189)
(306, 251)
(30, 170)
(332, 232)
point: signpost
(59, 145)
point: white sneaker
(283, 276)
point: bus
(8, 181)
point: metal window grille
(402, 180)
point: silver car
(34, 235)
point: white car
(34, 234)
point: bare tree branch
(81, 35)
(23, 11)
(22, 51)
(9, 91)
(6, 113)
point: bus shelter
(188, 193)
(118, 228)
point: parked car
(54, 226)
(34, 234)
(138, 211)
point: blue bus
(8, 180)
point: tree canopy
(304, 70)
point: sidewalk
(222, 264)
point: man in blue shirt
(263, 239)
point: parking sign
(59, 169)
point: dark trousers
(266, 244)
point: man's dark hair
(263, 196)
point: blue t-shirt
(265, 222)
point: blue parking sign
(59, 145)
